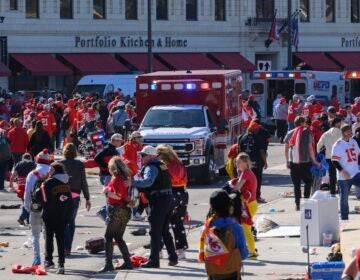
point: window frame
(157, 9)
(333, 11)
(217, 15)
(71, 9)
(13, 5)
(302, 18)
(263, 5)
(127, 2)
(37, 12)
(104, 10)
(187, 4)
(352, 18)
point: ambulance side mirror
(224, 125)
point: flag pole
(289, 54)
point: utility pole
(149, 53)
(289, 64)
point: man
(155, 180)
(5, 155)
(293, 111)
(280, 116)
(41, 172)
(308, 110)
(19, 141)
(327, 140)
(299, 154)
(276, 101)
(119, 117)
(356, 106)
(344, 156)
(255, 145)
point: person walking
(280, 116)
(57, 207)
(118, 214)
(294, 110)
(21, 170)
(78, 184)
(326, 142)
(5, 156)
(155, 180)
(344, 155)
(179, 182)
(40, 140)
(299, 154)
(41, 172)
(19, 141)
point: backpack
(5, 154)
(220, 252)
(65, 122)
(36, 203)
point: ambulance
(265, 86)
(195, 112)
(352, 85)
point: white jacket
(328, 139)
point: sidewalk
(279, 258)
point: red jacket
(178, 174)
(356, 108)
(19, 140)
(131, 154)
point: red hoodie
(18, 140)
(131, 154)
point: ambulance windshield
(174, 118)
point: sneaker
(60, 270)
(124, 266)
(49, 265)
(36, 261)
(252, 257)
(181, 254)
(261, 200)
(137, 217)
(21, 222)
(173, 262)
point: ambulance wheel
(208, 175)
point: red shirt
(356, 108)
(117, 186)
(48, 121)
(178, 174)
(308, 111)
(18, 140)
(248, 190)
(131, 154)
(292, 111)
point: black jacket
(102, 158)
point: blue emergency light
(153, 86)
(190, 86)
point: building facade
(41, 40)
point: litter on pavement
(281, 231)
(264, 224)
(4, 244)
(13, 206)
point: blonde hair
(118, 168)
(167, 154)
(245, 158)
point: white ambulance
(265, 86)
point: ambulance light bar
(280, 75)
(165, 85)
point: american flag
(295, 32)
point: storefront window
(264, 8)
(99, 9)
(191, 10)
(220, 10)
(131, 9)
(32, 8)
(355, 11)
(13, 5)
(304, 11)
(161, 9)
(330, 10)
(66, 9)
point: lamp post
(289, 54)
(149, 35)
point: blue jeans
(291, 126)
(104, 180)
(344, 189)
(3, 169)
(24, 215)
(70, 227)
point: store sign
(132, 42)
(353, 42)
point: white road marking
(277, 167)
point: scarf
(294, 143)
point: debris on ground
(4, 244)
(13, 206)
(80, 248)
(264, 224)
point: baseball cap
(148, 150)
(120, 104)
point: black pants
(258, 169)
(281, 129)
(54, 226)
(301, 173)
(181, 200)
(332, 176)
(161, 206)
(117, 220)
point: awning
(349, 60)
(234, 60)
(318, 61)
(4, 70)
(88, 64)
(140, 61)
(42, 64)
(189, 61)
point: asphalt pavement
(279, 258)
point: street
(277, 255)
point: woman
(357, 123)
(118, 214)
(40, 140)
(56, 197)
(76, 170)
(179, 182)
(247, 185)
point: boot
(109, 249)
(107, 267)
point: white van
(105, 84)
